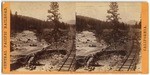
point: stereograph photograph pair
(74, 37)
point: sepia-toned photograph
(42, 36)
(108, 36)
(75, 36)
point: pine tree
(54, 15)
(113, 18)
(113, 11)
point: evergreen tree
(54, 15)
(113, 11)
(113, 18)
(114, 15)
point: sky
(128, 11)
(39, 10)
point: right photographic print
(108, 36)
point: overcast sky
(39, 10)
(98, 10)
(127, 11)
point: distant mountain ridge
(132, 22)
(71, 22)
(87, 18)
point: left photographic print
(42, 36)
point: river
(86, 44)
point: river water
(86, 44)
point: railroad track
(68, 62)
(130, 61)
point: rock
(88, 40)
(92, 45)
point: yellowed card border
(6, 44)
(6, 37)
(144, 36)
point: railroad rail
(130, 61)
(68, 63)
